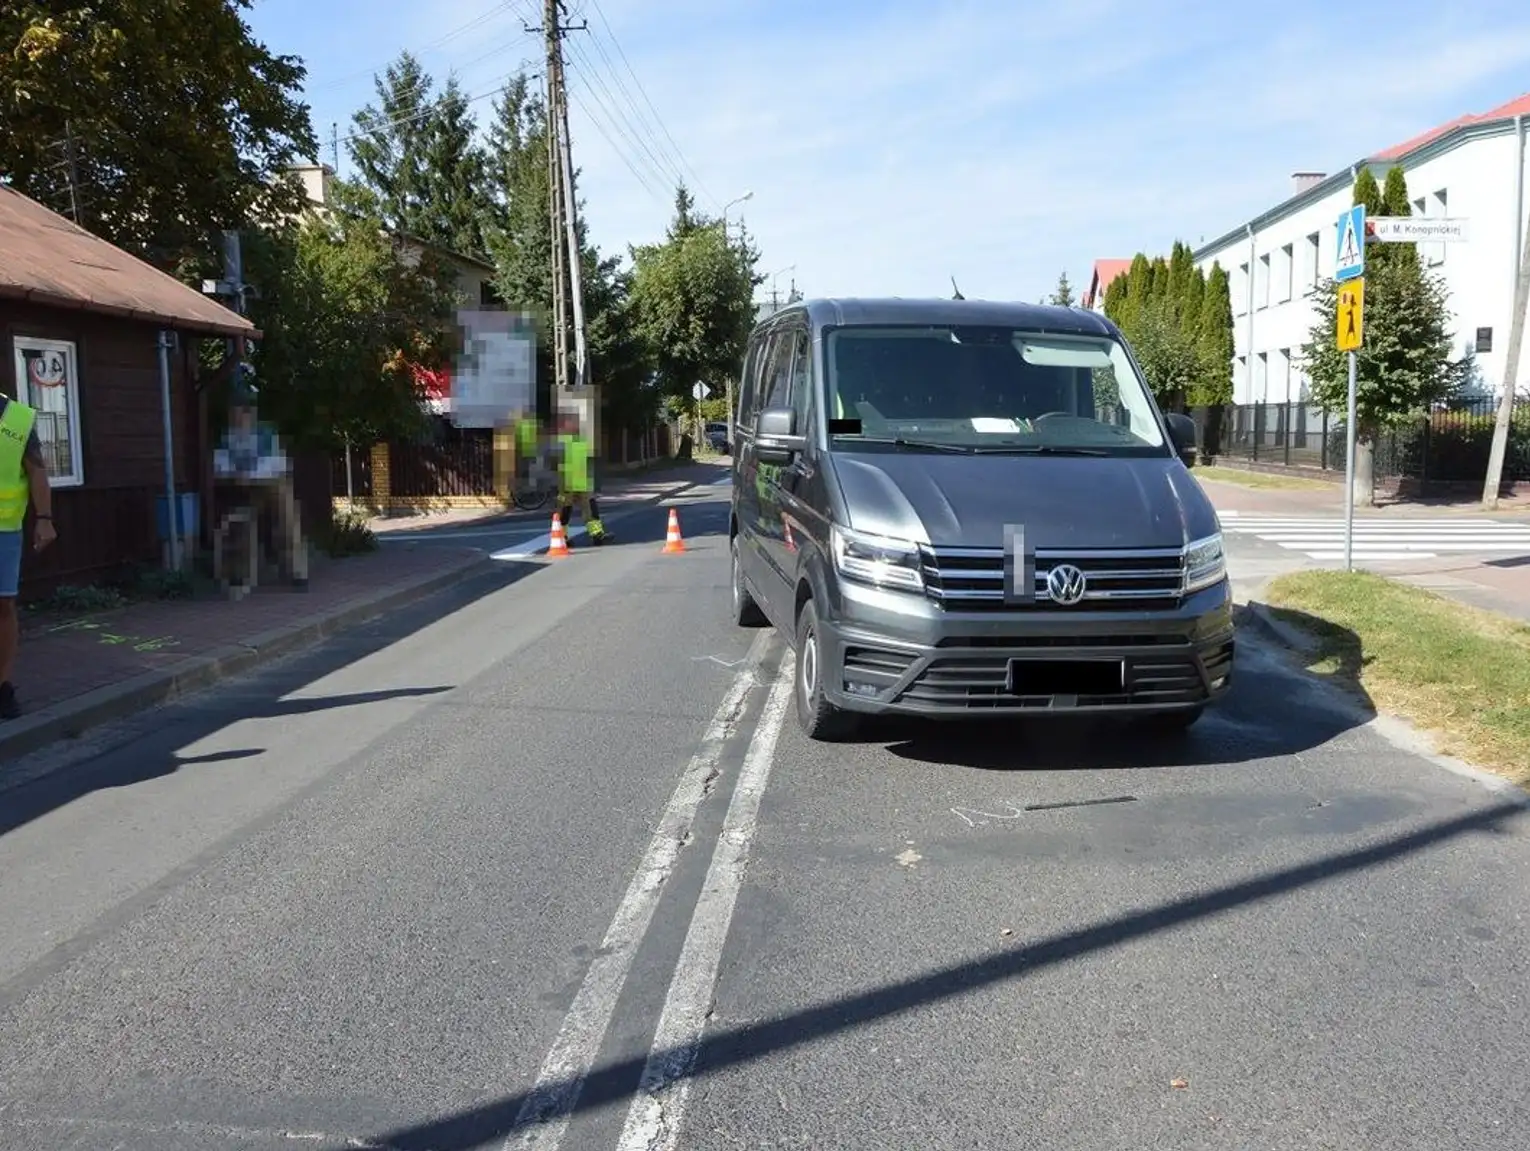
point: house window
(1261, 378)
(47, 378)
(1262, 283)
(1285, 274)
(1314, 258)
(1239, 291)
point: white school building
(1473, 170)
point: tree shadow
(269, 692)
(739, 1046)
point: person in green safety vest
(576, 481)
(23, 478)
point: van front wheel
(746, 613)
(820, 719)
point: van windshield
(987, 389)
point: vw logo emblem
(1065, 584)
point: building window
(1261, 378)
(1240, 380)
(1285, 274)
(47, 378)
(1314, 266)
(1239, 291)
(1262, 282)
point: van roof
(896, 310)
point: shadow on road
(139, 756)
(739, 1046)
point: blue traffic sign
(1349, 261)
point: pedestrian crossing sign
(1351, 326)
(1349, 258)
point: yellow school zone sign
(1351, 326)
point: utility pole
(1500, 446)
(568, 287)
(334, 147)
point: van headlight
(1205, 564)
(877, 560)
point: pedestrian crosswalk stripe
(1322, 537)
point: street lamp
(737, 200)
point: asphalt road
(550, 847)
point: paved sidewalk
(78, 670)
(1495, 582)
(1317, 501)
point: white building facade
(1476, 170)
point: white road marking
(653, 1120)
(544, 1117)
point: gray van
(956, 508)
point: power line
(462, 29)
(600, 14)
(669, 176)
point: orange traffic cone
(673, 544)
(557, 542)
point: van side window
(777, 377)
(748, 388)
(801, 377)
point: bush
(347, 534)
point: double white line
(653, 1119)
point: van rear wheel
(820, 719)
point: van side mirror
(775, 436)
(1182, 433)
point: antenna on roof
(957, 290)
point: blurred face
(243, 417)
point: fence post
(382, 484)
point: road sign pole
(1349, 472)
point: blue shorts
(10, 563)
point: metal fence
(1446, 445)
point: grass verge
(1261, 480)
(1459, 672)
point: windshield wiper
(1037, 450)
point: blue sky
(892, 145)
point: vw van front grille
(972, 579)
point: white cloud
(891, 145)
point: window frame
(70, 349)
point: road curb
(72, 717)
(1257, 617)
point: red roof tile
(1105, 271)
(1516, 107)
(49, 260)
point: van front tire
(820, 719)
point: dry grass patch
(1454, 670)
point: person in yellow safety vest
(576, 484)
(23, 477)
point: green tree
(1062, 295)
(693, 298)
(1405, 363)
(392, 140)
(454, 204)
(1214, 341)
(1181, 270)
(179, 119)
(345, 317)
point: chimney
(1301, 181)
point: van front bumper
(888, 652)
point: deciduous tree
(178, 119)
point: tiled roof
(50, 261)
(1105, 271)
(1516, 107)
